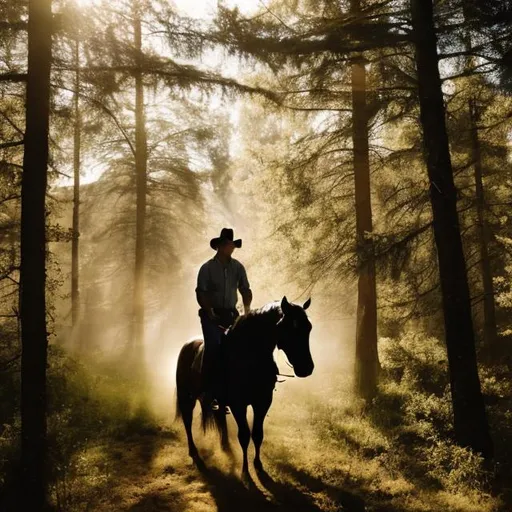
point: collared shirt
(222, 281)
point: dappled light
(255, 256)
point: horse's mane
(256, 322)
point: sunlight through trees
(361, 149)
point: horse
(249, 372)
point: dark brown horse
(249, 371)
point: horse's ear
(285, 305)
(307, 304)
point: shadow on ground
(268, 493)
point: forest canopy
(362, 151)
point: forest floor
(314, 463)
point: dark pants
(212, 360)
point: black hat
(225, 234)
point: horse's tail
(177, 413)
(208, 417)
(215, 420)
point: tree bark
(367, 359)
(33, 254)
(490, 333)
(75, 263)
(141, 187)
(470, 422)
(490, 330)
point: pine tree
(141, 188)
(367, 360)
(75, 242)
(316, 47)
(33, 258)
(471, 428)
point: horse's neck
(258, 336)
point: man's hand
(212, 316)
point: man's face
(226, 248)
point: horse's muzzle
(306, 371)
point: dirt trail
(321, 452)
(153, 473)
(318, 455)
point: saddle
(226, 316)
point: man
(217, 284)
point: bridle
(280, 347)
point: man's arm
(204, 300)
(202, 295)
(245, 289)
(247, 299)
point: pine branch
(106, 110)
(12, 123)
(13, 77)
(12, 144)
(13, 25)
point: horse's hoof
(258, 466)
(247, 481)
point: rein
(284, 374)
(229, 329)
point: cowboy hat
(225, 234)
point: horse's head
(293, 337)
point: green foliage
(415, 366)
(417, 360)
(398, 450)
(459, 469)
(87, 411)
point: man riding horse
(217, 284)
(248, 365)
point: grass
(324, 451)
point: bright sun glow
(86, 3)
(199, 8)
(205, 9)
(208, 8)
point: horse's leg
(260, 411)
(187, 404)
(244, 434)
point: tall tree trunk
(33, 253)
(75, 297)
(141, 186)
(470, 422)
(367, 359)
(490, 330)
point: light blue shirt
(221, 282)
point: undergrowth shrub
(459, 469)
(418, 361)
(415, 368)
(408, 427)
(90, 406)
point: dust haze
(360, 149)
(172, 309)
